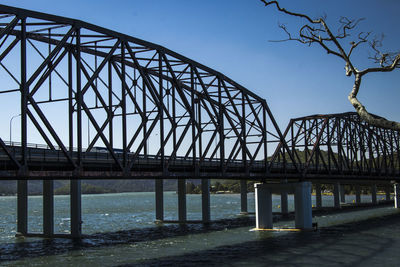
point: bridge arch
(91, 94)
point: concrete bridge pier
(48, 208)
(336, 195)
(182, 200)
(159, 195)
(205, 200)
(374, 199)
(302, 199)
(22, 207)
(387, 192)
(284, 203)
(397, 196)
(342, 194)
(76, 208)
(243, 197)
(358, 194)
(318, 196)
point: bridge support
(263, 198)
(373, 194)
(318, 196)
(284, 203)
(342, 194)
(358, 194)
(205, 200)
(76, 208)
(336, 195)
(243, 197)
(22, 207)
(48, 208)
(397, 196)
(387, 192)
(303, 205)
(302, 200)
(182, 200)
(159, 195)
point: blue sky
(232, 36)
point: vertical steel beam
(161, 111)
(123, 106)
(264, 134)
(22, 185)
(79, 98)
(243, 197)
(182, 200)
(70, 105)
(22, 207)
(48, 207)
(159, 183)
(24, 96)
(205, 200)
(76, 208)
(193, 118)
(110, 105)
(144, 118)
(221, 111)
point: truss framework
(139, 99)
(342, 145)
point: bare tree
(316, 31)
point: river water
(119, 229)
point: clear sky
(232, 36)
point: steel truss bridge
(108, 105)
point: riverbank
(362, 236)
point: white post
(303, 205)
(397, 196)
(263, 199)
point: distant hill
(91, 186)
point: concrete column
(342, 194)
(318, 196)
(48, 208)
(387, 191)
(22, 207)
(303, 206)
(284, 203)
(336, 195)
(76, 208)
(373, 194)
(159, 194)
(243, 197)
(397, 196)
(182, 200)
(358, 194)
(205, 200)
(263, 198)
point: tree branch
(319, 32)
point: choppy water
(121, 231)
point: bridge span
(111, 106)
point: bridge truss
(111, 105)
(342, 146)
